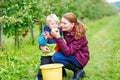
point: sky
(112, 0)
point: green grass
(104, 40)
(104, 46)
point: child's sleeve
(42, 41)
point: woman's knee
(57, 57)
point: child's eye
(52, 24)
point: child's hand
(46, 34)
(45, 49)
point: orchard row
(19, 15)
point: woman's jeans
(59, 57)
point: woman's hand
(44, 49)
(55, 33)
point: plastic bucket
(52, 71)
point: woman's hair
(52, 17)
(79, 26)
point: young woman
(74, 53)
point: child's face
(53, 24)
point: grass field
(104, 46)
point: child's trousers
(44, 60)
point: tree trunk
(41, 28)
(1, 30)
(32, 34)
(1, 37)
(16, 37)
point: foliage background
(25, 13)
(22, 63)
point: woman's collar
(71, 33)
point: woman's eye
(63, 23)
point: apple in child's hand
(46, 34)
(55, 30)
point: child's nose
(55, 25)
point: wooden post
(32, 34)
(16, 37)
(41, 27)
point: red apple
(24, 34)
(82, 17)
(26, 30)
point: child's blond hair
(52, 17)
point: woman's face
(66, 25)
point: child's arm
(42, 41)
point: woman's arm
(69, 49)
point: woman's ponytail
(80, 30)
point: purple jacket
(78, 48)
